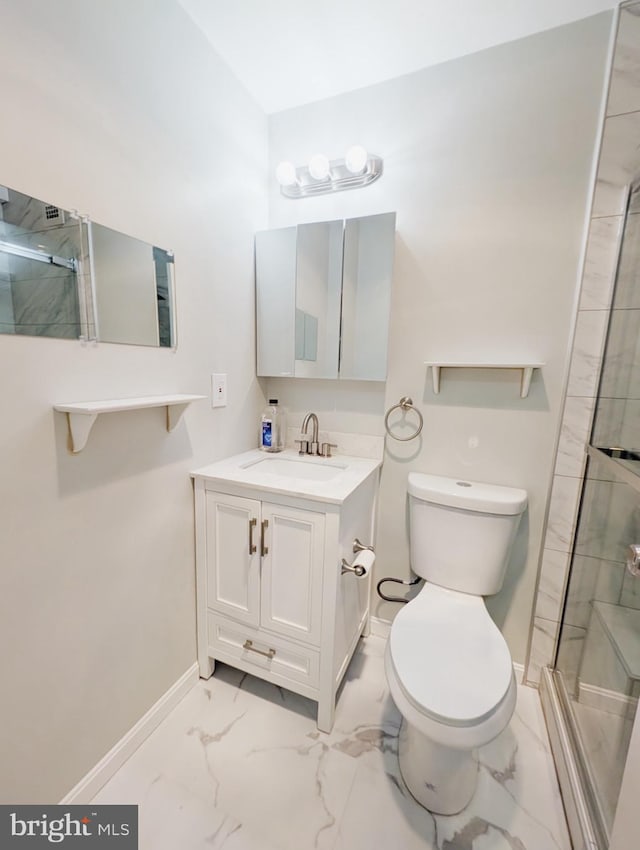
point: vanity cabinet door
(233, 556)
(292, 570)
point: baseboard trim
(518, 670)
(100, 774)
(379, 628)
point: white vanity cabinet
(264, 565)
(271, 596)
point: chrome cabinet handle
(248, 644)
(263, 528)
(252, 546)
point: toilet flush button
(473, 442)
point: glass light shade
(286, 173)
(319, 167)
(356, 159)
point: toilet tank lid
(468, 495)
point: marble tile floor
(239, 764)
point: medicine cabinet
(323, 295)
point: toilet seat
(449, 659)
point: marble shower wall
(618, 166)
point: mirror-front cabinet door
(298, 291)
(276, 301)
(323, 293)
(366, 296)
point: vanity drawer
(263, 654)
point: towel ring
(404, 404)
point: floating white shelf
(526, 368)
(82, 414)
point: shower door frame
(584, 831)
(586, 824)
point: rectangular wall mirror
(323, 293)
(64, 276)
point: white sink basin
(326, 480)
(307, 470)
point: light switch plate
(219, 390)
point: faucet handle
(304, 446)
(326, 449)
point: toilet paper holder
(357, 569)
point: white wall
(120, 110)
(487, 163)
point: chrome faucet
(309, 447)
(312, 446)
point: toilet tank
(461, 532)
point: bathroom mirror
(298, 290)
(318, 284)
(132, 285)
(64, 276)
(323, 293)
(366, 296)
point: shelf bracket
(525, 383)
(80, 425)
(435, 377)
(174, 414)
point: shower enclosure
(595, 684)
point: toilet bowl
(447, 664)
(451, 677)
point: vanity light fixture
(321, 175)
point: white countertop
(251, 469)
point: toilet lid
(451, 660)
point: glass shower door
(598, 661)
(599, 652)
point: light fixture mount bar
(339, 179)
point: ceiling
(289, 52)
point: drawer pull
(248, 644)
(252, 546)
(263, 529)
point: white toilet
(448, 666)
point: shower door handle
(633, 559)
